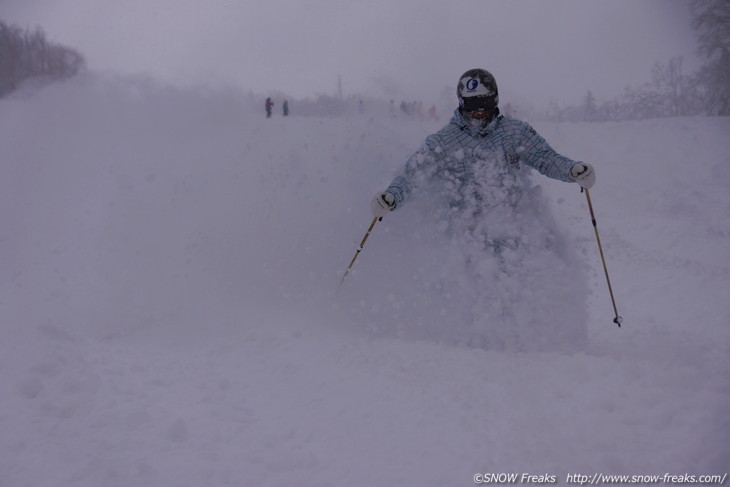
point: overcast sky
(537, 49)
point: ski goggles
(474, 103)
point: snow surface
(168, 265)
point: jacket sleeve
(415, 170)
(539, 155)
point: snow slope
(168, 262)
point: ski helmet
(477, 90)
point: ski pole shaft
(617, 319)
(359, 249)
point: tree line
(26, 54)
(671, 92)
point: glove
(382, 203)
(583, 174)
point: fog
(538, 50)
(168, 263)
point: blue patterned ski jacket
(458, 149)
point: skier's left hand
(583, 174)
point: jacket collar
(460, 121)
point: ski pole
(359, 249)
(617, 319)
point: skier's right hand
(382, 203)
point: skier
(432, 114)
(471, 173)
(285, 108)
(269, 106)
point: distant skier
(404, 108)
(471, 174)
(432, 114)
(285, 108)
(269, 106)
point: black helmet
(477, 90)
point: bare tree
(27, 54)
(712, 22)
(10, 57)
(672, 86)
(711, 19)
(589, 107)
